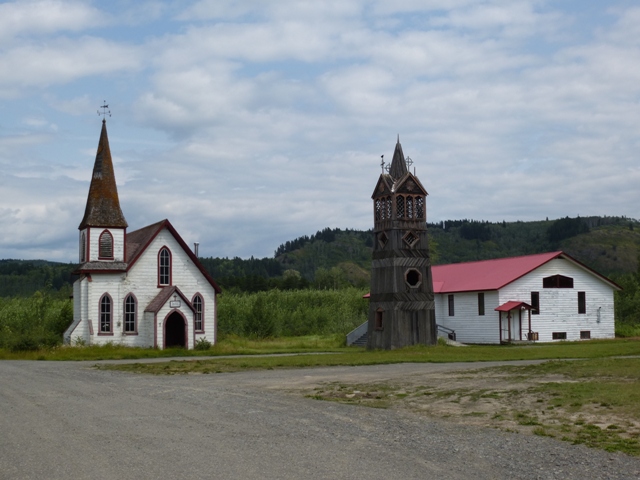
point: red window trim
(201, 330)
(100, 243)
(100, 332)
(164, 247)
(135, 315)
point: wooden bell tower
(401, 304)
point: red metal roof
(494, 274)
(512, 305)
(486, 274)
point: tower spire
(398, 166)
(103, 204)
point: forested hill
(335, 257)
(332, 258)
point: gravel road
(69, 421)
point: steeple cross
(382, 162)
(408, 162)
(105, 110)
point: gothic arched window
(83, 247)
(106, 315)
(198, 307)
(130, 314)
(164, 267)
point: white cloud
(252, 123)
(41, 17)
(62, 61)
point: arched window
(106, 315)
(388, 217)
(130, 314)
(378, 209)
(164, 267)
(198, 307)
(105, 250)
(83, 247)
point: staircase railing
(356, 333)
(446, 332)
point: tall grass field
(38, 322)
(33, 323)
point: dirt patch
(493, 398)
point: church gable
(383, 187)
(410, 185)
(149, 242)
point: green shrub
(202, 344)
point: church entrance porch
(175, 331)
(512, 323)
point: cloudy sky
(249, 123)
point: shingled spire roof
(103, 205)
(398, 166)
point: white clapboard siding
(470, 327)
(142, 281)
(558, 307)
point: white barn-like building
(145, 288)
(544, 297)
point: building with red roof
(544, 297)
(145, 288)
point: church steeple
(398, 165)
(103, 205)
(103, 229)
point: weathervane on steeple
(105, 110)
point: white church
(145, 288)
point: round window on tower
(413, 278)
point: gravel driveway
(69, 421)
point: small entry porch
(514, 321)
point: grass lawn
(359, 356)
(342, 355)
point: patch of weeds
(542, 432)
(475, 414)
(526, 420)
